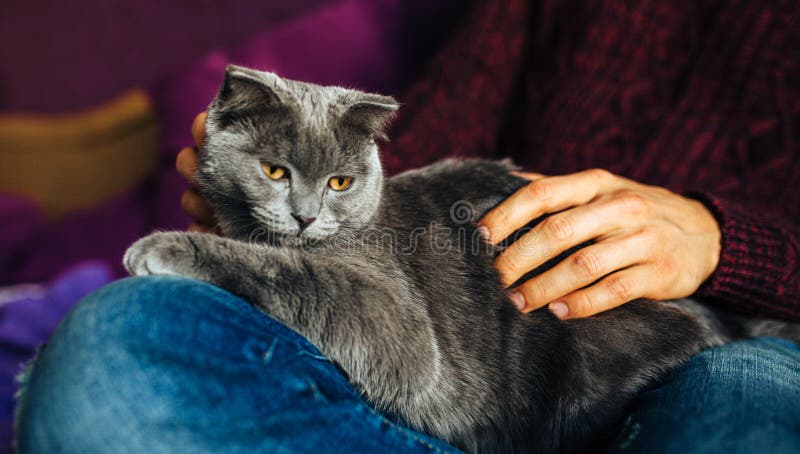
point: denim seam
(408, 433)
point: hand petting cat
(648, 242)
(193, 204)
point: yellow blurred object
(73, 161)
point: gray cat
(391, 281)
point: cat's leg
(165, 253)
(379, 336)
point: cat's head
(296, 160)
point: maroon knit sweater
(701, 97)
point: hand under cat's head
(291, 161)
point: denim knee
(108, 369)
(163, 363)
(60, 390)
(740, 397)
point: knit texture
(699, 97)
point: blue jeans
(160, 364)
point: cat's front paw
(162, 253)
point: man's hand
(648, 242)
(193, 204)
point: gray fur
(423, 331)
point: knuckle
(620, 287)
(599, 174)
(586, 264)
(662, 290)
(528, 246)
(557, 227)
(583, 306)
(509, 262)
(535, 292)
(682, 287)
(500, 218)
(665, 267)
(631, 201)
(650, 237)
(539, 190)
(660, 191)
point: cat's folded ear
(370, 114)
(247, 90)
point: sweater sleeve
(758, 272)
(458, 107)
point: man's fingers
(199, 128)
(583, 268)
(612, 291)
(196, 207)
(192, 203)
(529, 175)
(562, 231)
(186, 163)
(202, 228)
(545, 195)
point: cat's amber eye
(275, 172)
(339, 183)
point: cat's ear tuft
(370, 114)
(245, 89)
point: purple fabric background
(61, 56)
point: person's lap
(159, 363)
(741, 397)
(152, 364)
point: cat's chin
(290, 239)
(255, 234)
(300, 241)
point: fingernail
(559, 309)
(484, 232)
(517, 299)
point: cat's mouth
(272, 230)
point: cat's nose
(303, 221)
